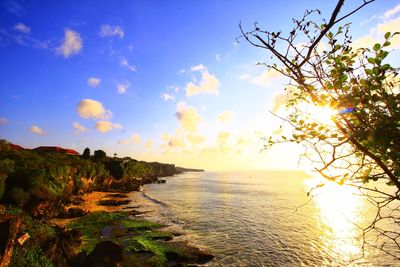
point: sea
(269, 218)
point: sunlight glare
(339, 207)
(321, 114)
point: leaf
(371, 60)
(376, 47)
(390, 183)
(387, 43)
(386, 67)
(387, 35)
(369, 72)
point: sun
(321, 114)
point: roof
(16, 147)
(57, 149)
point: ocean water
(267, 219)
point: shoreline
(144, 208)
(103, 228)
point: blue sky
(154, 80)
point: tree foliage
(86, 153)
(360, 88)
(100, 155)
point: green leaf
(387, 35)
(384, 54)
(376, 47)
(390, 183)
(386, 67)
(369, 72)
(371, 60)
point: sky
(154, 80)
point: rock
(105, 254)
(46, 209)
(77, 200)
(73, 213)
(117, 195)
(61, 249)
(189, 254)
(113, 202)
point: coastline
(143, 208)
(107, 229)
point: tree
(358, 90)
(99, 155)
(86, 153)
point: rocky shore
(95, 229)
(61, 209)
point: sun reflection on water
(339, 213)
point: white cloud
(196, 139)
(223, 136)
(149, 143)
(71, 44)
(266, 78)
(22, 28)
(281, 98)
(208, 85)
(37, 130)
(225, 117)
(109, 31)
(3, 121)
(136, 138)
(390, 13)
(124, 141)
(187, 116)
(245, 76)
(122, 88)
(94, 82)
(106, 126)
(173, 141)
(92, 109)
(125, 64)
(79, 128)
(167, 97)
(199, 67)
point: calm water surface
(259, 219)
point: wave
(155, 201)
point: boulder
(61, 249)
(46, 209)
(73, 213)
(105, 254)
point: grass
(92, 226)
(32, 258)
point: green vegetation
(31, 254)
(32, 257)
(29, 176)
(134, 235)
